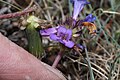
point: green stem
(89, 65)
(70, 8)
(34, 41)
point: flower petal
(78, 6)
(90, 18)
(47, 32)
(68, 44)
(54, 37)
(69, 34)
(61, 41)
(61, 31)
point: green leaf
(34, 39)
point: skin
(18, 64)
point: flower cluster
(64, 35)
(60, 34)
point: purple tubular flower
(90, 18)
(63, 36)
(78, 6)
(47, 32)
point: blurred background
(103, 50)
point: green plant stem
(89, 65)
(34, 41)
(70, 8)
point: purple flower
(47, 32)
(90, 18)
(60, 34)
(63, 36)
(78, 6)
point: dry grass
(103, 50)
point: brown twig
(17, 14)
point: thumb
(18, 64)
